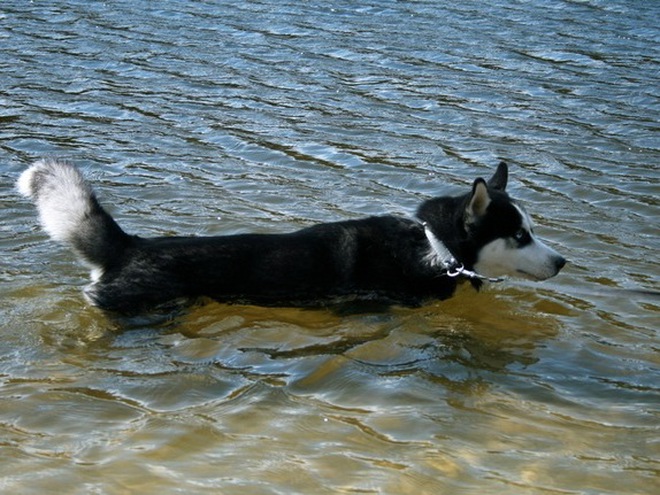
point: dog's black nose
(560, 262)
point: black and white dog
(388, 259)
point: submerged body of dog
(385, 258)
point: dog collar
(452, 267)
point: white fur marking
(438, 254)
(96, 274)
(526, 219)
(24, 184)
(61, 194)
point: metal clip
(455, 271)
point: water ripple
(212, 118)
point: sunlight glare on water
(209, 118)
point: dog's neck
(444, 226)
(445, 219)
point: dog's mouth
(531, 276)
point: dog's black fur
(383, 258)
(373, 258)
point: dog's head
(505, 234)
(491, 233)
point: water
(223, 117)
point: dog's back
(374, 258)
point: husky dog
(389, 259)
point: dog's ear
(500, 177)
(479, 200)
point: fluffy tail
(70, 213)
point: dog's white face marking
(523, 255)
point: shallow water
(210, 118)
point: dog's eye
(522, 236)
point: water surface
(206, 118)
